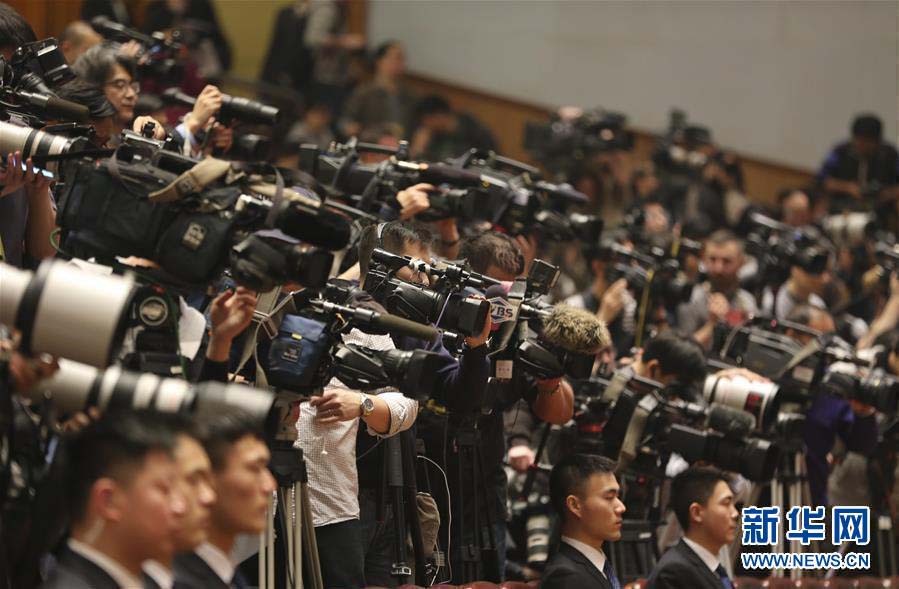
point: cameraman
(856, 172)
(830, 415)
(720, 299)
(27, 212)
(809, 276)
(199, 132)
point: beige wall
(248, 25)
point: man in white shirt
(585, 494)
(124, 503)
(326, 431)
(244, 486)
(703, 502)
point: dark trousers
(341, 555)
(378, 537)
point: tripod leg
(411, 490)
(270, 548)
(264, 538)
(297, 547)
(309, 540)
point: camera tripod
(291, 515)
(399, 465)
(477, 539)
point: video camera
(545, 341)
(640, 423)
(800, 372)
(563, 144)
(309, 350)
(778, 247)
(196, 218)
(474, 187)
(160, 56)
(26, 82)
(442, 304)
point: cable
(449, 523)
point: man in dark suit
(584, 493)
(243, 484)
(124, 507)
(703, 503)
(194, 482)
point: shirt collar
(163, 576)
(218, 561)
(119, 574)
(597, 557)
(710, 560)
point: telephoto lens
(65, 311)
(37, 144)
(78, 387)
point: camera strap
(204, 173)
(630, 446)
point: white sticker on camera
(504, 369)
(500, 310)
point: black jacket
(76, 572)
(569, 569)
(680, 567)
(192, 571)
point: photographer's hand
(521, 458)
(414, 200)
(221, 138)
(481, 339)
(158, 129)
(231, 312)
(208, 103)
(26, 372)
(339, 404)
(612, 301)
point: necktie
(238, 581)
(725, 580)
(610, 575)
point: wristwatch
(366, 404)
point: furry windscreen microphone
(575, 330)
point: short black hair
(431, 104)
(82, 92)
(14, 29)
(569, 475)
(222, 430)
(694, 485)
(395, 236)
(868, 126)
(492, 247)
(678, 354)
(96, 64)
(115, 446)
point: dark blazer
(569, 569)
(192, 571)
(73, 571)
(680, 567)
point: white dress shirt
(119, 574)
(218, 561)
(162, 575)
(597, 557)
(710, 560)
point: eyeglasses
(122, 85)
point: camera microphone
(54, 107)
(111, 29)
(575, 330)
(444, 174)
(730, 422)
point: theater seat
(747, 583)
(515, 585)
